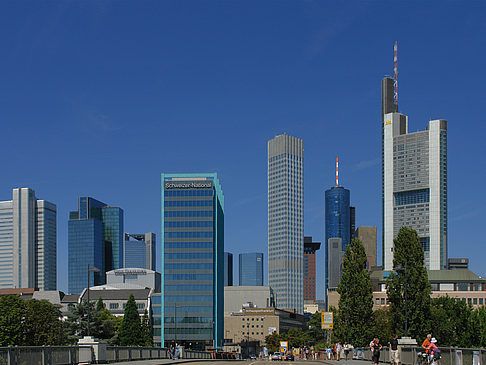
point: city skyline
(283, 74)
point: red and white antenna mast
(395, 75)
(337, 172)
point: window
(475, 301)
(114, 305)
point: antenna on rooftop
(395, 75)
(337, 172)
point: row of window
(188, 298)
(188, 193)
(188, 256)
(189, 319)
(186, 244)
(114, 306)
(184, 214)
(169, 306)
(189, 266)
(184, 287)
(188, 276)
(188, 234)
(189, 331)
(188, 203)
(188, 224)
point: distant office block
(139, 251)
(251, 269)
(454, 263)
(352, 223)
(28, 241)
(95, 238)
(192, 260)
(367, 236)
(310, 249)
(335, 255)
(228, 269)
(286, 221)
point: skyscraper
(310, 249)
(228, 269)
(251, 269)
(193, 259)
(28, 241)
(286, 221)
(339, 220)
(139, 251)
(95, 238)
(415, 187)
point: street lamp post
(404, 269)
(92, 269)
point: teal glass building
(95, 238)
(192, 260)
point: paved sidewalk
(166, 361)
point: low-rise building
(461, 284)
(249, 327)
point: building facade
(251, 269)
(228, 269)
(338, 215)
(286, 221)
(192, 259)
(310, 249)
(238, 297)
(95, 238)
(415, 187)
(139, 250)
(28, 242)
(367, 236)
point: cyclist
(426, 343)
(434, 351)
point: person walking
(395, 359)
(346, 350)
(338, 350)
(375, 350)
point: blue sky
(99, 98)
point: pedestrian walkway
(165, 361)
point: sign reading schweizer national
(204, 184)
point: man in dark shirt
(395, 359)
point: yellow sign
(284, 345)
(326, 321)
(388, 122)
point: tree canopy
(130, 333)
(410, 280)
(355, 314)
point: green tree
(315, 332)
(12, 316)
(411, 274)
(272, 342)
(355, 314)
(76, 324)
(43, 324)
(130, 333)
(104, 322)
(147, 330)
(383, 325)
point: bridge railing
(409, 355)
(72, 355)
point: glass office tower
(95, 237)
(139, 251)
(286, 221)
(251, 269)
(228, 269)
(192, 260)
(337, 223)
(28, 241)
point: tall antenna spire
(395, 76)
(337, 172)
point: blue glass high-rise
(337, 222)
(192, 260)
(95, 237)
(251, 269)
